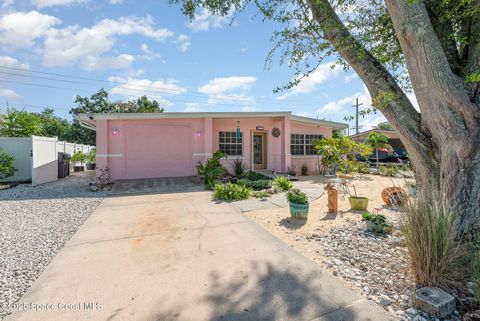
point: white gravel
(35, 223)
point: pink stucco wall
(311, 161)
(172, 147)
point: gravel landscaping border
(35, 223)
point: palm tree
(376, 141)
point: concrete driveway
(180, 256)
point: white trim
(201, 154)
(234, 157)
(319, 122)
(108, 155)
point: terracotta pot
(394, 195)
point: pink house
(146, 145)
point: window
(229, 144)
(301, 144)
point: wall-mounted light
(260, 128)
(198, 133)
(115, 131)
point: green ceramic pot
(299, 210)
(358, 203)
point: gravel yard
(35, 223)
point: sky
(53, 50)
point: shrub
(253, 176)
(429, 226)
(260, 194)
(304, 170)
(379, 220)
(256, 185)
(238, 167)
(231, 192)
(297, 196)
(90, 157)
(388, 170)
(363, 168)
(78, 157)
(7, 164)
(212, 171)
(283, 183)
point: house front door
(259, 150)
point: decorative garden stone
(434, 301)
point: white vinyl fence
(36, 157)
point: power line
(153, 89)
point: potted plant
(375, 222)
(357, 203)
(91, 160)
(298, 202)
(78, 158)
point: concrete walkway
(182, 257)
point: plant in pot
(357, 203)
(298, 202)
(78, 158)
(91, 160)
(376, 223)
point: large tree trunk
(447, 111)
(444, 141)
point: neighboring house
(144, 145)
(393, 140)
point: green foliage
(256, 185)
(384, 125)
(231, 192)
(7, 164)
(377, 140)
(337, 151)
(238, 167)
(379, 220)
(473, 77)
(91, 156)
(20, 123)
(304, 170)
(79, 157)
(283, 183)
(363, 168)
(254, 176)
(212, 171)
(389, 170)
(383, 99)
(429, 226)
(297, 196)
(260, 194)
(54, 126)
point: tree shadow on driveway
(267, 293)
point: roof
(89, 120)
(383, 131)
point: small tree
(7, 163)
(384, 126)
(20, 123)
(337, 151)
(79, 157)
(377, 140)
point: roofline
(88, 120)
(374, 130)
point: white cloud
(192, 107)
(229, 89)
(205, 20)
(92, 63)
(249, 108)
(147, 53)
(219, 86)
(184, 42)
(74, 44)
(21, 29)
(115, 1)
(323, 73)
(9, 94)
(336, 106)
(52, 3)
(154, 89)
(350, 78)
(6, 61)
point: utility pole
(356, 115)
